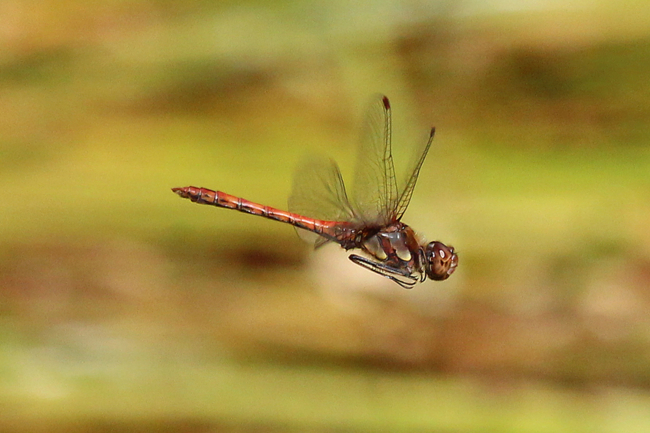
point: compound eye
(442, 260)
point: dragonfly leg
(386, 271)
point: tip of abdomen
(181, 191)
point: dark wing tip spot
(433, 131)
(385, 102)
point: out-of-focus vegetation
(125, 308)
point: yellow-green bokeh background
(124, 308)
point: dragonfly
(368, 219)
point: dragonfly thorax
(396, 246)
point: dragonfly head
(441, 261)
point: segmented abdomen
(221, 199)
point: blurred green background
(125, 308)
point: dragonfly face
(440, 261)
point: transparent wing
(376, 199)
(374, 191)
(413, 173)
(318, 192)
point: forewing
(318, 192)
(413, 173)
(374, 191)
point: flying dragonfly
(368, 219)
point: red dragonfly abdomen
(327, 229)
